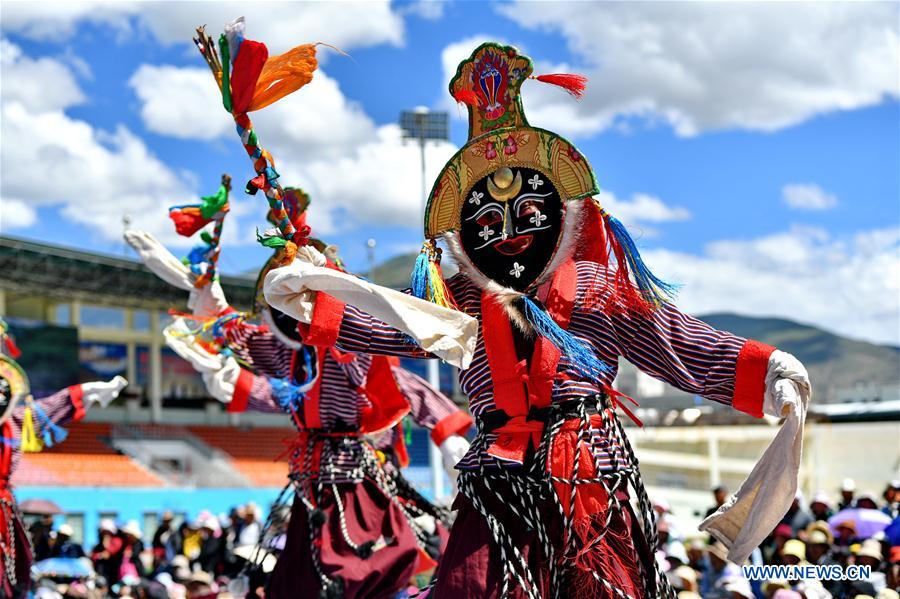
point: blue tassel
(288, 395)
(419, 281)
(580, 355)
(51, 432)
(652, 288)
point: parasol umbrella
(40, 506)
(63, 567)
(868, 522)
(892, 532)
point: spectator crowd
(211, 555)
(808, 534)
(204, 558)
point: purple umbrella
(868, 522)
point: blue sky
(757, 163)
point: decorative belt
(491, 420)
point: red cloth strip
(750, 377)
(515, 388)
(76, 395)
(241, 396)
(387, 404)
(456, 423)
(246, 70)
(328, 314)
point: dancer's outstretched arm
(368, 318)
(207, 301)
(748, 375)
(63, 407)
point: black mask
(511, 223)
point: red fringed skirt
(471, 565)
(369, 516)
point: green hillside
(834, 362)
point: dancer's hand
(221, 383)
(784, 378)
(160, 260)
(103, 392)
(180, 340)
(208, 301)
(453, 449)
(310, 255)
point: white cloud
(807, 196)
(281, 25)
(847, 285)
(95, 177)
(180, 102)
(431, 10)
(42, 84)
(16, 214)
(356, 172)
(317, 121)
(701, 66)
(642, 208)
(375, 183)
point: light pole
(425, 125)
(370, 254)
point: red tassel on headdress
(11, 348)
(466, 96)
(573, 84)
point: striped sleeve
(430, 408)
(362, 333)
(693, 356)
(64, 406)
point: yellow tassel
(30, 441)
(437, 290)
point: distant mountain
(394, 272)
(834, 362)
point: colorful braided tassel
(427, 280)
(288, 395)
(579, 354)
(249, 80)
(12, 350)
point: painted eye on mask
(529, 207)
(489, 218)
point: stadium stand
(253, 451)
(85, 459)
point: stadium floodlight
(424, 125)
